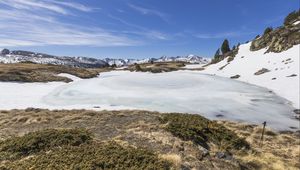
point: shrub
(293, 16)
(202, 131)
(268, 30)
(35, 142)
(138, 67)
(95, 156)
(74, 149)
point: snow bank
(283, 77)
(193, 66)
(70, 76)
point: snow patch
(72, 77)
(296, 23)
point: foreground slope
(39, 139)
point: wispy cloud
(50, 5)
(148, 11)
(25, 23)
(141, 31)
(75, 6)
(223, 35)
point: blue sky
(135, 28)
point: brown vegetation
(158, 67)
(278, 150)
(178, 140)
(29, 72)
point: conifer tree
(225, 47)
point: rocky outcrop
(278, 40)
(261, 71)
(235, 77)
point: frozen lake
(183, 91)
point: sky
(135, 28)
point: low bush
(292, 17)
(73, 149)
(35, 142)
(202, 131)
(268, 30)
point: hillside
(271, 61)
(277, 71)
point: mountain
(7, 56)
(189, 59)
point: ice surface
(181, 91)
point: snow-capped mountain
(7, 56)
(189, 59)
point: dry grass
(29, 72)
(173, 158)
(279, 150)
(142, 129)
(134, 128)
(157, 67)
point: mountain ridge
(18, 56)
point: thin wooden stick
(262, 134)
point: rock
(235, 77)
(219, 115)
(185, 166)
(292, 75)
(274, 78)
(261, 71)
(224, 155)
(297, 111)
(204, 152)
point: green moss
(202, 131)
(73, 149)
